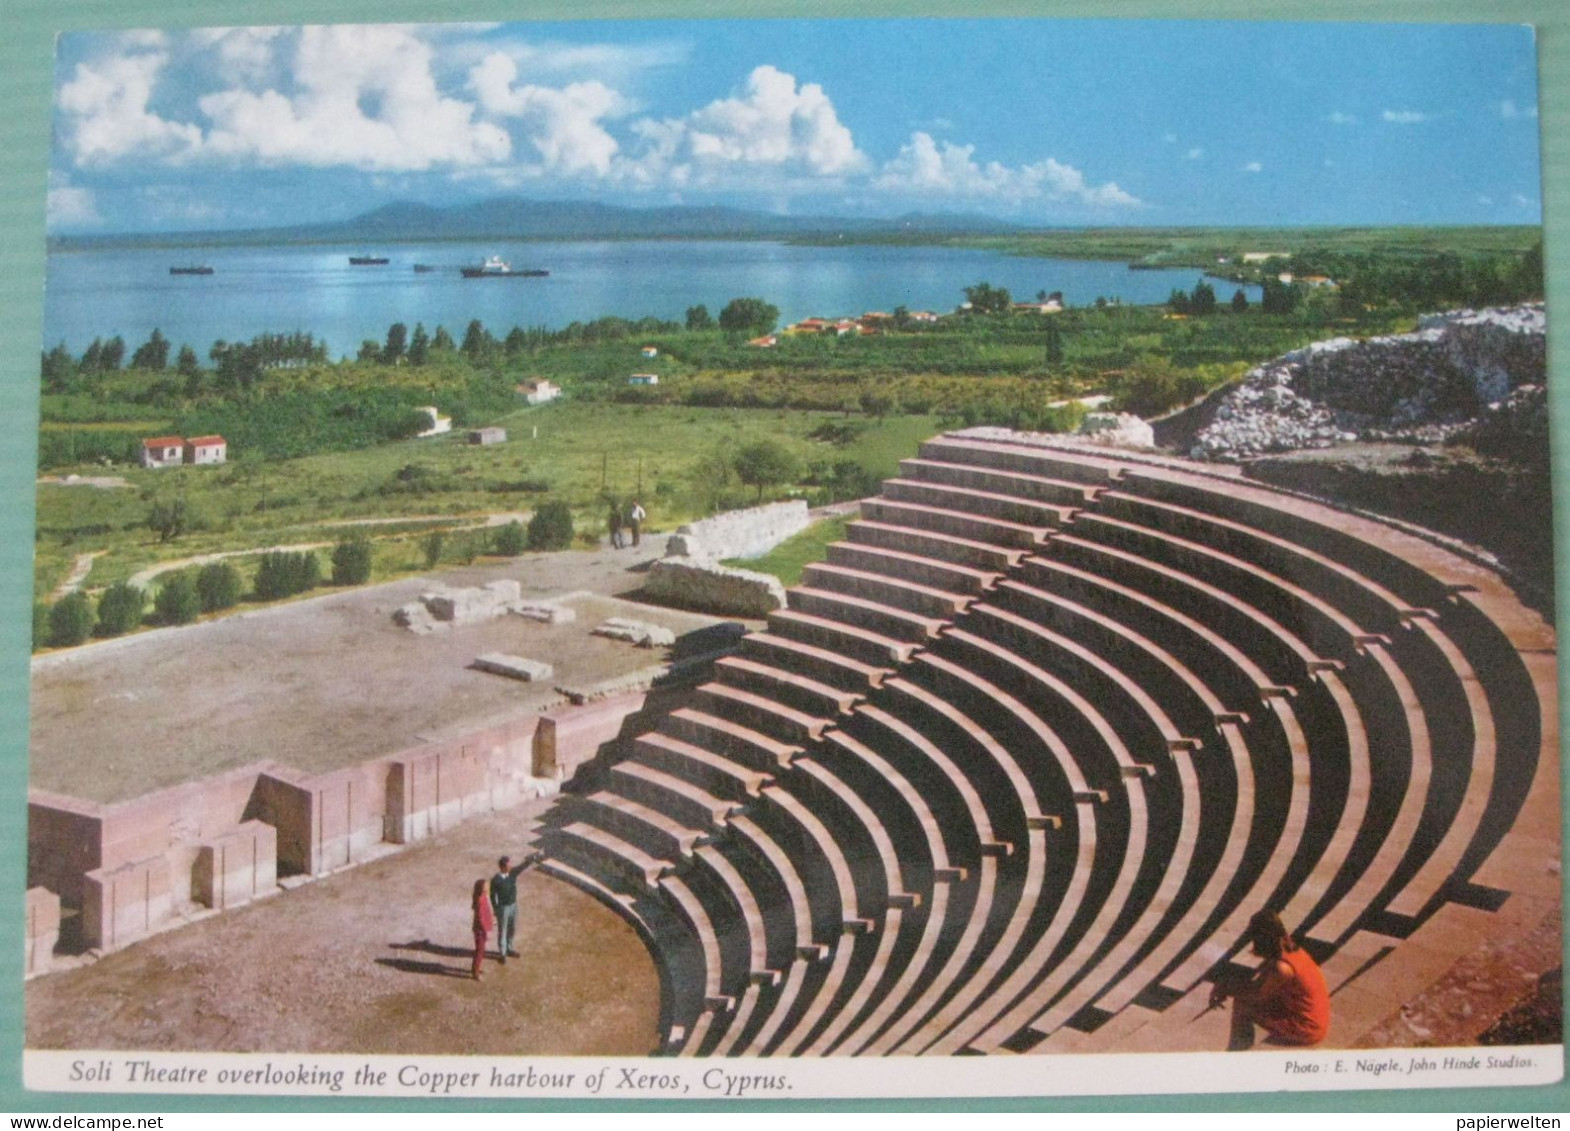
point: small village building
(491, 435)
(1262, 256)
(438, 425)
(539, 390)
(1050, 306)
(644, 379)
(206, 449)
(650, 351)
(927, 316)
(768, 341)
(163, 451)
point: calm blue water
(93, 294)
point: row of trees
(182, 597)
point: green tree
(186, 364)
(699, 318)
(178, 602)
(218, 586)
(71, 620)
(1053, 351)
(765, 463)
(152, 354)
(431, 545)
(1202, 300)
(1279, 297)
(476, 341)
(511, 540)
(168, 518)
(397, 344)
(352, 561)
(419, 345)
(58, 369)
(113, 355)
(550, 527)
(1239, 301)
(748, 317)
(984, 298)
(120, 609)
(283, 574)
(441, 341)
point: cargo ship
(197, 269)
(495, 267)
(367, 260)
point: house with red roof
(206, 449)
(163, 451)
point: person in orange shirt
(1286, 996)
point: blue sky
(1095, 122)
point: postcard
(709, 559)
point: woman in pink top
(484, 922)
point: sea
(104, 292)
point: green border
(27, 31)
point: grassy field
(672, 458)
(787, 560)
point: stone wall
(143, 865)
(747, 533)
(696, 583)
(1455, 370)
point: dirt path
(142, 577)
(79, 571)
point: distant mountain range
(519, 218)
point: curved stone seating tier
(1019, 510)
(703, 768)
(800, 692)
(923, 600)
(1076, 467)
(998, 482)
(956, 523)
(1423, 574)
(1018, 761)
(1373, 606)
(936, 573)
(819, 664)
(1458, 796)
(939, 547)
(890, 621)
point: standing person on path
(614, 522)
(1286, 996)
(504, 900)
(635, 517)
(484, 922)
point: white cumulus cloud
(362, 96)
(1404, 117)
(564, 126)
(1341, 118)
(106, 112)
(1253, 167)
(771, 124)
(942, 168)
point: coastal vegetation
(324, 457)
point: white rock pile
(1427, 386)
